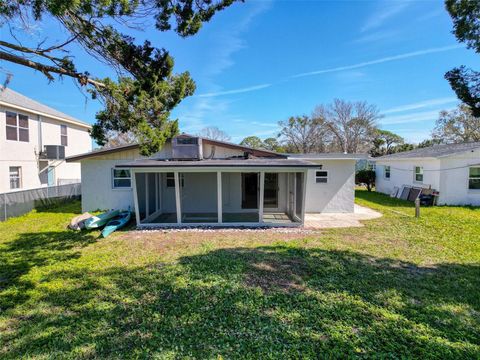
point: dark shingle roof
(9, 96)
(220, 163)
(436, 151)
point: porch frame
(219, 171)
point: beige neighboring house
(34, 141)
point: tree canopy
(385, 142)
(466, 27)
(458, 125)
(252, 141)
(214, 133)
(145, 91)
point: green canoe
(100, 220)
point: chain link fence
(20, 202)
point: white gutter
(78, 123)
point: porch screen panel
(240, 197)
(298, 194)
(141, 191)
(198, 193)
(151, 194)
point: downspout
(40, 142)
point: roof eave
(41, 113)
(96, 153)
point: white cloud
(386, 12)
(376, 36)
(235, 91)
(412, 117)
(202, 110)
(421, 104)
(380, 61)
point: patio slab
(340, 220)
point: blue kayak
(116, 223)
(98, 221)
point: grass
(400, 287)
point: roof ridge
(48, 110)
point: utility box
(53, 152)
(187, 148)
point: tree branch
(48, 69)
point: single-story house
(204, 181)
(453, 170)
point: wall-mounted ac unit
(53, 152)
(187, 148)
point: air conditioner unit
(53, 152)
(187, 148)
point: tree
(116, 138)
(252, 141)
(352, 124)
(402, 148)
(456, 126)
(272, 144)
(385, 142)
(141, 98)
(466, 27)
(303, 134)
(430, 142)
(365, 177)
(214, 133)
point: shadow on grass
(273, 302)
(31, 250)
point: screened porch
(225, 198)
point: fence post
(417, 207)
(5, 205)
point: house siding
(338, 194)
(448, 175)
(24, 154)
(97, 189)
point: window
(418, 174)
(187, 141)
(63, 135)
(386, 172)
(121, 179)
(15, 177)
(474, 178)
(321, 176)
(171, 180)
(16, 127)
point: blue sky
(260, 62)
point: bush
(365, 177)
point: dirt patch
(274, 275)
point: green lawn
(400, 287)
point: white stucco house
(34, 141)
(452, 169)
(195, 180)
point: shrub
(365, 177)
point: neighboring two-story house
(34, 141)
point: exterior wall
(24, 154)
(97, 189)
(338, 194)
(402, 173)
(454, 180)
